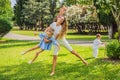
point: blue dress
(46, 46)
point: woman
(60, 29)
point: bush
(116, 35)
(5, 27)
(113, 50)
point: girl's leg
(36, 56)
(53, 65)
(77, 55)
(36, 47)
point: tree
(115, 8)
(5, 27)
(5, 17)
(18, 12)
(33, 13)
(5, 9)
(52, 8)
(109, 14)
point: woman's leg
(36, 56)
(78, 55)
(36, 47)
(68, 47)
(56, 49)
(53, 65)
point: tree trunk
(20, 27)
(118, 25)
(110, 32)
(112, 29)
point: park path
(11, 35)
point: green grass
(13, 66)
(71, 35)
(23, 32)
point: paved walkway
(23, 37)
(20, 37)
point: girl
(47, 36)
(96, 44)
(61, 27)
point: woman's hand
(46, 40)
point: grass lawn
(14, 66)
(70, 35)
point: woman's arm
(57, 36)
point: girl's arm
(43, 36)
(46, 40)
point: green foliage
(5, 9)
(80, 13)
(73, 2)
(5, 27)
(32, 13)
(18, 12)
(113, 50)
(116, 35)
(104, 12)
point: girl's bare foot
(22, 53)
(52, 73)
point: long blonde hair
(64, 29)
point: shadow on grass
(89, 58)
(14, 43)
(98, 69)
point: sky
(13, 2)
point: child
(45, 44)
(96, 44)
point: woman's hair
(64, 29)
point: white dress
(96, 44)
(62, 42)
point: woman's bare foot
(52, 73)
(85, 62)
(29, 62)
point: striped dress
(46, 46)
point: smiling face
(50, 32)
(60, 19)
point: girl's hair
(98, 35)
(51, 29)
(64, 29)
